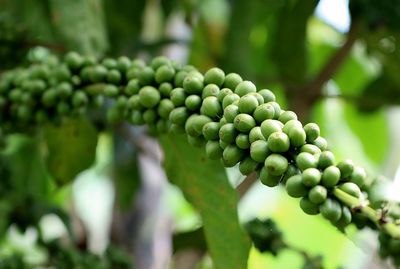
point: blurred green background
(333, 62)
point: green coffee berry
(229, 99)
(232, 80)
(247, 104)
(278, 142)
(244, 123)
(179, 78)
(312, 149)
(213, 150)
(109, 63)
(256, 134)
(176, 128)
(245, 87)
(309, 207)
(121, 102)
(210, 90)
(214, 76)
(247, 166)
(242, 141)
(98, 74)
(268, 95)
(346, 168)
(211, 107)
(351, 188)
(330, 176)
(258, 96)
(132, 87)
(227, 133)
(149, 96)
(134, 103)
(179, 116)
(297, 136)
(193, 84)
(164, 73)
(164, 108)
(178, 96)
(345, 218)
(295, 188)
(270, 126)
(64, 90)
(165, 89)
(79, 99)
(73, 60)
(259, 151)
(290, 125)
(325, 159)
(263, 112)
(223, 144)
(114, 76)
(123, 63)
(311, 177)
(276, 164)
(230, 112)
(146, 75)
(193, 102)
(331, 210)
(111, 90)
(232, 155)
(318, 194)
(49, 98)
(267, 179)
(287, 116)
(305, 160)
(150, 116)
(199, 122)
(222, 93)
(159, 61)
(358, 176)
(312, 131)
(211, 130)
(321, 143)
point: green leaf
(24, 162)
(289, 50)
(205, 184)
(124, 29)
(71, 148)
(79, 24)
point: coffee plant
(258, 97)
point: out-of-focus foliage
(278, 44)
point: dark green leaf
(205, 185)
(79, 24)
(71, 149)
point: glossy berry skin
(278, 142)
(318, 194)
(210, 131)
(276, 164)
(311, 177)
(270, 126)
(330, 176)
(227, 133)
(312, 131)
(263, 112)
(242, 141)
(244, 123)
(214, 76)
(245, 87)
(305, 160)
(213, 150)
(232, 80)
(259, 150)
(232, 155)
(247, 104)
(309, 207)
(267, 179)
(149, 96)
(295, 188)
(211, 107)
(331, 210)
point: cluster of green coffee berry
(229, 116)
